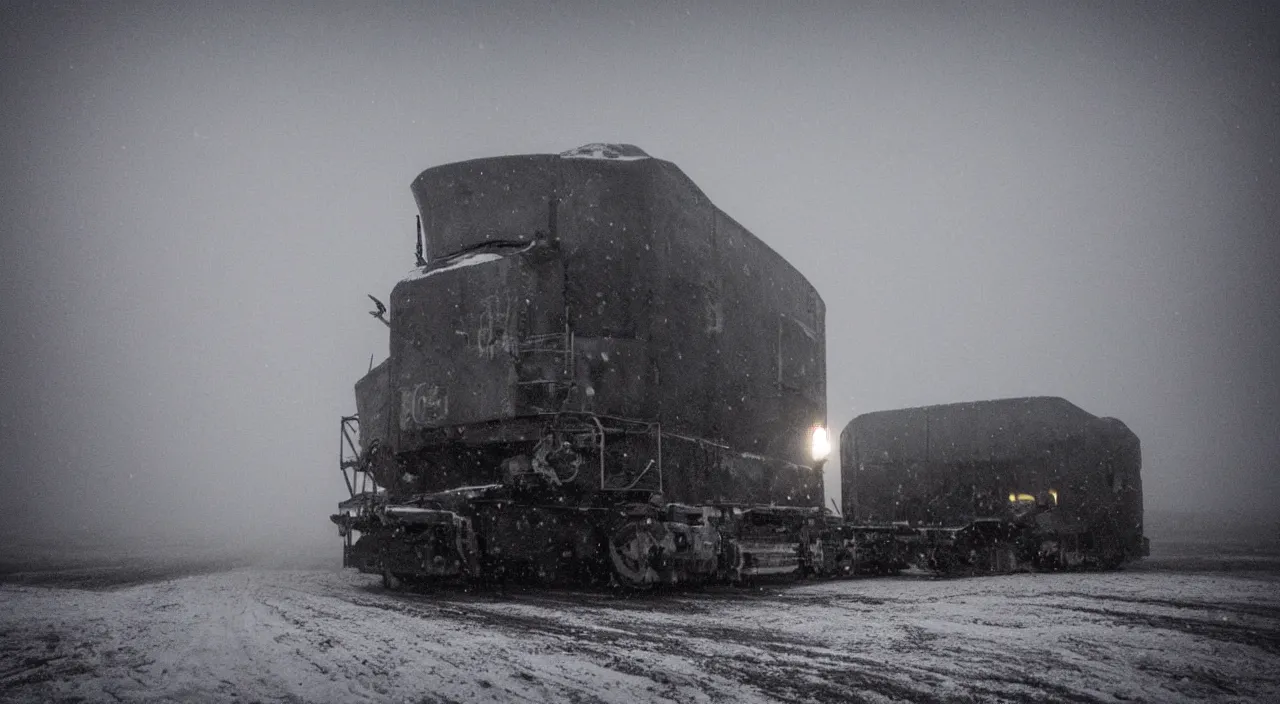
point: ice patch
(463, 261)
(466, 260)
(408, 510)
(603, 150)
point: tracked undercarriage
(550, 522)
(535, 529)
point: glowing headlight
(819, 446)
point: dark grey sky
(995, 199)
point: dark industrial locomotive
(595, 375)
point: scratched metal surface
(679, 315)
(953, 463)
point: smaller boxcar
(951, 465)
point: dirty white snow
(601, 150)
(463, 261)
(1164, 632)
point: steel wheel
(638, 552)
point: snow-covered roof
(605, 150)
(989, 430)
(465, 260)
(462, 261)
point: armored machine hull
(588, 334)
(595, 375)
(985, 462)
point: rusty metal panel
(544, 352)
(613, 377)
(458, 337)
(603, 223)
(469, 203)
(1000, 430)
(687, 324)
(712, 474)
(727, 299)
(678, 314)
(762, 480)
(372, 401)
(768, 305)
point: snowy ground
(209, 628)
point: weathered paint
(372, 406)
(611, 287)
(951, 464)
